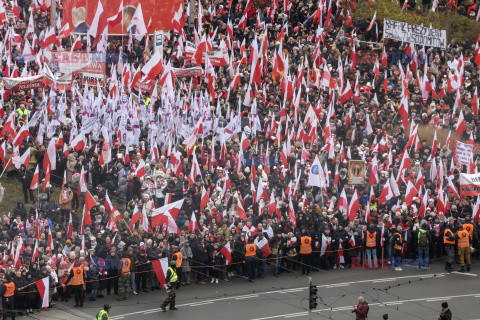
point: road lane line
(465, 273)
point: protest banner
(187, 72)
(146, 86)
(80, 13)
(76, 63)
(216, 57)
(93, 79)
(462, 153)
(469, 184)
(23, 83)
(356, 172)
(414, 33)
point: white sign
(159, 38)
(462, 153)
(469, 184)
(414, 33)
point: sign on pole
(158, 38)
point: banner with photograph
(462, 153)
(469, 184)
(157, 15)
(414, 33)
(356, 172)
(76, 63)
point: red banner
(79, 14)
(187, 72)
(24, 83)
(217, 58)
(146, 86)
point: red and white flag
(116, 19)
(153, 67)
(140, 172)
(135, 218)
(205, 199)
(263, 246)
(99, 25)
(70, 227)
(227, 253)
(193, 225)
(43, 287)
(162, 214)
(160, 267)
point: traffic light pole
(309, 310)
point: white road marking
(465, 273)
(291, 290)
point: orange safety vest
(126, 266)
(10, 289)
(77, 278)
(178, 259)
(306, 245)
(251, 250)
(371, 239)
(469, 228)
(445, 237)
(463, 239)
(396, 246)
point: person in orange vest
(370, 241)
(251, 251)
(124, 279)
(464, 249)
(397, 249)
(8, 300)
(470, 228)
(306, 252)
(76, 279)
(449, 242)
(178, 258)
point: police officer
(124, 279)
(103, 314)
(172, 279)
(449, 242)
(464, 249)
(250, 259)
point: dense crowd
(234, 149)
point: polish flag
(372, 22)
(240, 210)
(60, 139)
(21, 135)
(423, 206)
(43, 287)
(342, 203)
(227, 253)
(354, 206)
(272, 206)
(325, 246)
(460, 126)
(202, 47)
(50, 157)
(340, 257)
(116, 19)
(70, 227)
(135, 218)
(35, 251)
(347, 93)
(386, 193)
(78, 143)
(153, 67)
(410, 193)
(291, 214)
(160, 267)
(263, 246)
(49, 39)
(171, 209)
(205, 199)
(140, 172)
(193, 225)
(352, 241)
(245, 142)
(403, 111)
(46, 181)
(50, 240)
(77, 45)
(452, 189)
(64, 32)
(35, 179)
(99, 25)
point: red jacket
(361, 312)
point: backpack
(422, 239)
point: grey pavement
(409, 294)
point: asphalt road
(409, 294)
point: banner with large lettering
(75, 63)
(157, 15)
(23, 83)
(217, 58)
(462, 153)
(469, 184)
(414, 33)
(187, 72)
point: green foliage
(458, 27)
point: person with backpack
(361, 309)
(423, 247)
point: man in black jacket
(171, 280)
(446, 314)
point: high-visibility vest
(22, 113)
(396, 246)
(178, 259)
(77, 278)
(174, 277)
(126, 266)
(463, 239)
(10, 289)
(371, 239)
(101, 313)
(306, 245)
(469, 228)
(251, 250)
(445, 237)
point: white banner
(414, 33)
(469, 184)
(462, 153)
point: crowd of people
(242, 171)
